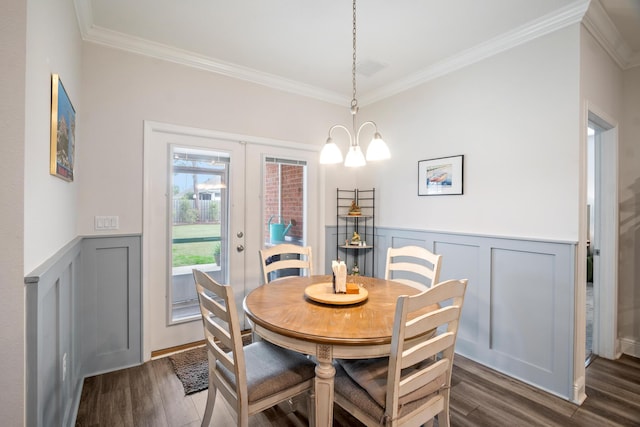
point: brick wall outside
(292, 193)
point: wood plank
(90, 397)
(503, 403)
(517, 387)
(117, 380)
(115, 408)
(612, 407)
(148, 409)
(179, 409)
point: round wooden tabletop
(281, 307)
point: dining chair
(285, 256)
(412, 385)
(250, 378)
(407, 263)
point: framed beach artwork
(63, 129)
(439, 177)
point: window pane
(198, 231)
(284, 201)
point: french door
(204, 207)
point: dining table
(302, 313)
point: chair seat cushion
(344, 386)
(371, 375)
(349, 390)
(271, 369)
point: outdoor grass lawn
(197, 252)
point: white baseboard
(579, 394)
(630, 347)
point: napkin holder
(339, 277)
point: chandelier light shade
(354, 158)
(377, 149)
(330, 153)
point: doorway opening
(591, 184)
(602, 239)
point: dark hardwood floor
(151, 395)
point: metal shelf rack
(364, 224)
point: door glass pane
(199, 225)
(284, 190)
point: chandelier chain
(377, 149)
(354, 101)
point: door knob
(240, 234)
(240, 248)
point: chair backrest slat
(218, 340)
(427, 349)
(422, 377)
(278, 257)
(414, 266)
(437, 295)
(431, 320)
(211, 305)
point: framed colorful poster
(63, 129)
(438, 177)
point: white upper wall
(121, 90)
(600, 78)
(515, 118)
(13, 33)
(50, 204)
(629, 197)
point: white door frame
(606, 341)
(605, 330)
(157, 330)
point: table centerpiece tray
(323, 293)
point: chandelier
(377, 149)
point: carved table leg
(325, 372)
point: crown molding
(94, 34)
(190, 59)
(564, 17)
(84, 15)
(598, 23)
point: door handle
(240, 248)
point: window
(198, 211)
(284, 198)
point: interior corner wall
(13, 33)
(514, 116)
(50, 204)
(629, 199)
(615, 93)
(121, 90)
(600, 78)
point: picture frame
(63, 128)
(441, 176)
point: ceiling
(305, 47)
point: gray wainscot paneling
(83, 318)
(518, 314)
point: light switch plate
(107, 222)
